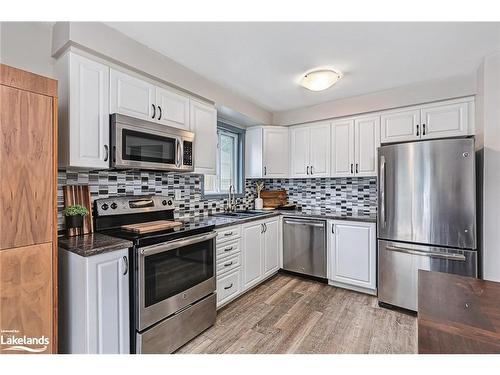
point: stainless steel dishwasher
(304, 246)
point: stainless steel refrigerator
(426, 215)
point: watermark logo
(12, 341)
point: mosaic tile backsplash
(324, 194)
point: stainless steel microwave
(140, 144)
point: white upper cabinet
(173, 108)
(204, 125)
(450, 118)
(367, 140)
(138, 98)
(320, 150)
(266, 152)
(131, 96)
(400, 126)
(83, 112)
(342, 148)
(310, 150)
(445, 120)
(300, 151)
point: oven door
(148, 146)
(172, 276)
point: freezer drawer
(304, 246)
(398, 265)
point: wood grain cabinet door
(26, 296)
(26, 157)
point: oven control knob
(114, 205)
(164, 202)
(105, 206)
(170, 202)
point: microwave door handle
(178, 153)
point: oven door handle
(171, 245)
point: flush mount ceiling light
(320, 79)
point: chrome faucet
(231, 199)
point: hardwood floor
(288, 314)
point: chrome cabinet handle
(265, 227)
(307, 170)
(228, 264)
(312, 170)
(423, 129)
(261, 228)
(431, 254)
(333, 231)
(154, 111)
(352, 165)
(417, 131)
(228, 234)
(125, 261)
(357, 169)
(265, 170)
(159, 116)
(228, 287)
(228, 249)
(106, 149)
(382, 189)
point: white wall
(27, 45)
(106, 42)
(423, 92)
(488, 123)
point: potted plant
(74, 215)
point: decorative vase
(75, 221)
(259, 203)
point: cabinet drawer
(228, 248)
(228, 286)
(227, 264)
(228, 234)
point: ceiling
(264, 61)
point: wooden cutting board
(79, 194)
(151, 226)
(274, 198)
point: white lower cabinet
(352, 256)
(94, 303)
(260, 247)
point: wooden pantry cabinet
(28, 206)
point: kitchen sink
(242, 213)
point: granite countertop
(221, 221)
(92, 244)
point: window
(230, 141)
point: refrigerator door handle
(382, 190)
(431, 254)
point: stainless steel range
(173, 279)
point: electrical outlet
(177, 194)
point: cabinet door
(271, 247)
(367, 140)
(108, 304)
(400, 126)
(353, 254)
(342, 148)
(448, 120)
(299, 153)
(252, 254)
(26, 294)
(204, 125)
(26, 154)
(172, 108)
(320, 150)
(275, 152)
(88, 113)
(131, 96)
